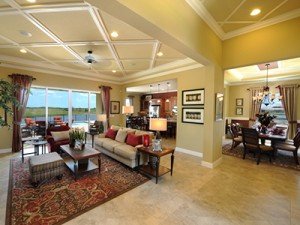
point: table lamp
(101, 118)
(127, 110)
(158, 124)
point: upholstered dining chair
(251, 144)
(290, 146)
(236, 139)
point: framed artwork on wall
(219, 106)
(239, 101)
(193, 115)
(114, 107)
(239, 111)
(193, 97)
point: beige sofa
(118, 149)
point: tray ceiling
(61, 33)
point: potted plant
(265, 119)
(77, 136)
(7, 99)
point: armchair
(55, 145)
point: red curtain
(23, 83)
(105, 95)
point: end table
(158, 170)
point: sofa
(57, 136)
(120, 147)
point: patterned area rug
(57, 201)
(283, 158)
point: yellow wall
(49, 80)
(276, 42)
(240, 91)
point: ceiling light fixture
(31, 1)
(22, 50)
(114, 34)
(25, 33)
(266, 97)
(160, 54)
(255, 12)
(114, 71)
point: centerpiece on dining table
(265, 120)
(77, 136)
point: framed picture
(193, 115)
(148, 97)
(219, 106)
(239, 111)
(114, 107)
(193, 97)
(239, 102)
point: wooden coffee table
(79, 160)
(158, 170)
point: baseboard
(5, 150)
(189, 152)
(211, 165)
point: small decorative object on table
(77, 136)
(146, 140)
(265, 119)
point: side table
(93, 136)
(158, 170)
(25, 140)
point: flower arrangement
(265, 119)
(76, 135)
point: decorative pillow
(111, 134)
(121, 135)
(114, 127)
(134, 140)
(60, 135)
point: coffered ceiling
(57, 34)
(229, 18)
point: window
(275, 109)
(80, 107)
(58, 104)
(129, 101)
(93, 106)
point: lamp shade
(127, 109)
(158, 124)
(101, 117)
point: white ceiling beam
(236, 9)
(155, 50)
(279, 5)
(103, 31)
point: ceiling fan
(90, 58)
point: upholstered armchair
(57, 136)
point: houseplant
(7, 99)
(265, 119)
(77, 136)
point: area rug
(283, 158)
(57, 201)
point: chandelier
(266, 97)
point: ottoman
(45, 166)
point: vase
(79, 145)
(72, 143)
(263, 129)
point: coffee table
(79, 160)
(158, 170)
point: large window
(276, 108)
(78, 108)
(36, 106)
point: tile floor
(236, 192)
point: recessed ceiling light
(114, 34)
(114, 71)
(160, 54)
(31, 1)
(22, 50)
(255, 12)
(25, 33)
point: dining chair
(251, 144)
(290, 146)
(236, 139)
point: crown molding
(278, 19)
(206, 16)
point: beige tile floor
(236, 192)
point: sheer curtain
(289, 101)
(23, 83)
(254, 105)
(105, 95)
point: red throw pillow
(134, 140)
(111, 134)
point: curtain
(254, 105)
(289, 101)
(23, 83)
(105, 95)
